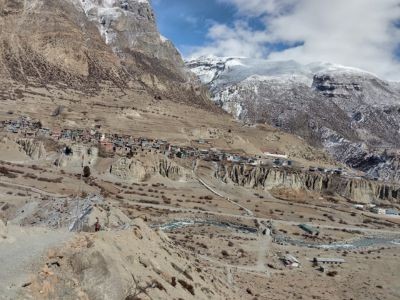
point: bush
(86, 171)
(51, 180)
(224, 253)
(187, 286)
(332, 273)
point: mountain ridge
(84, 45)
(351, 113)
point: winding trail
(248, 211)
(215, 192)
(30, 189)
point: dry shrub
(332, 273)
(187, 286)
(51, 180)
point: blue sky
(357, 33)
(186, 22)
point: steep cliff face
(141, 170)
(359, 190)
(128, 169)
(130, 24)
(351, 113)
(87, 45)
(34, 149)
(171, 170)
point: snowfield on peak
(230, 70)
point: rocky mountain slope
(133, 264)
(103, 65)
(353, 114)
(87, 44)
(127, 260)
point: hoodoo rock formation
(354, 189)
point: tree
(86, 171)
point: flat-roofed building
(332, 261)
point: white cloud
(260, 7)
(240, 40)
(359, 33)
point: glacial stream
(357, 243)
(372, 241)
(188, 223)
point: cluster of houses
(23, 125)
(377, 210)
(125, 144)
(338, 171)
(292, 262)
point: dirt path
(21, 252)
(263, 247)
(248, 211)
(215, 192)
(30, 189)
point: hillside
(121, 179)
(88, 45)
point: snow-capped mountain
(87, 44)
(126, 24)
(352, 113)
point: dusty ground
(232, 252)
(22, 252)
(227, 243)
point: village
(281, 238)
(126, 145)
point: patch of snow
(105, 12)
(163, 39)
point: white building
(378, 210)
(358, 206)
(275, 155)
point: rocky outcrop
(76, 155)
(355, 189)
(129, 169)
(141, 170)
(169, 169)
(34, 149)
(130, 24)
